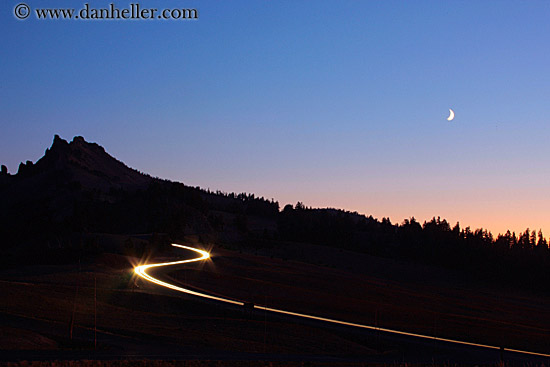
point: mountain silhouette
(65, 191)
(78, 188)
(76, 194)
(87, 164)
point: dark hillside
(77, 191)
(77, 188)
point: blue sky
(333, 103)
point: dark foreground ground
(218, 363)
(132, 323)
(214, 363)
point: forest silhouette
(78, 189)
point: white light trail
(141, 271)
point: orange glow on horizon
(493, 210)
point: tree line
(521, 259)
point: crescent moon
(451, 115)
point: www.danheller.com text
(133, 11)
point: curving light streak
(140, 270)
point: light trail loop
(141, 271)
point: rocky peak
(84, 162)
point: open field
(137, 320)
(400, 296)
(224, 363)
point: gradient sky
(333, 103)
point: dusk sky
(333, 103)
